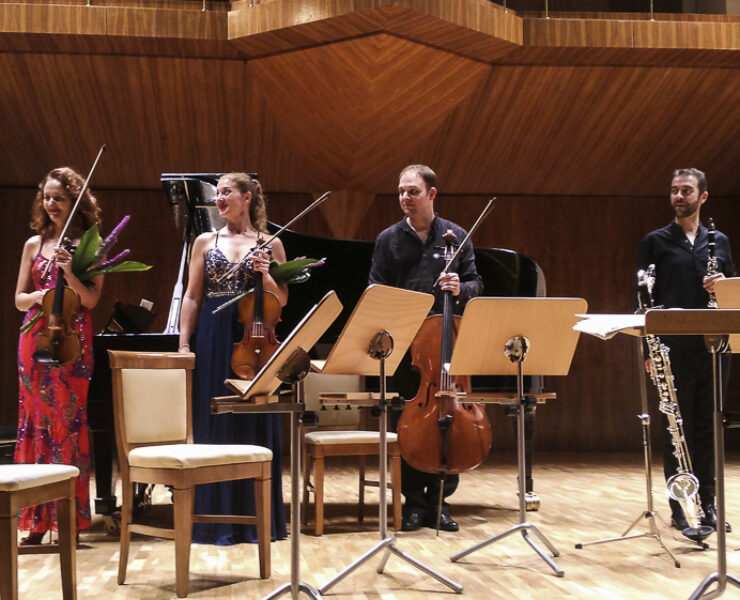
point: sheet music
(606, 326)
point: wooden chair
(29, 485)
(338, 435)
(154, 435)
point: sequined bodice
(216, 265)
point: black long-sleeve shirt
(400, 259)
(680, 267)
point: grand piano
(191, 198)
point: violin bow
(232, 271)
(74, 207)
(486, 211)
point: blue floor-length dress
(213, 344)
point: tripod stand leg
(486, 542)
(456, 587)
(347, 570)
(384, 560)
(558, 571)
(302, 587)
(644, 515)
(709, 580)
(543, 539)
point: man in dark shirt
(410, 255)
(680, 252)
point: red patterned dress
(52, 411)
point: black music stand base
(517, 352)
(721, 577)
(387, 542)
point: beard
(686, 209)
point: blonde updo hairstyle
(257, 205)
(86, 215)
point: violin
(259, 312)
(59, 345)
(438, 433)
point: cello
(437, 433)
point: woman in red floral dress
(52, 412)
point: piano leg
(105, 500)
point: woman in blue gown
(241, 203)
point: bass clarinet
(683, 486)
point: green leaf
(84, 255)
(28, 325)
(293, 271)
(128, 266)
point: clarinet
(712, 262)
(683, 486)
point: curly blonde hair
(86, 215)
(258, 205)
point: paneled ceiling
(338, 94)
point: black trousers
(420, 490)
(693, 376)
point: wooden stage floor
(583, 497)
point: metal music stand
(650, 514)
(290, 364)
(727, 292)
(373, 342)
(496, 336)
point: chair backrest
(151, 398)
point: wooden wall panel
(597, 33)
(661, 58)
(673, 34)
(60, 19)
(59, 108)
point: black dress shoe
(710, 518)
(411, 522)
(446, 523)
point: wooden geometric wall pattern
(586, 130)
(363, 104)
(480, 30)
(345, 211)
(266, 150)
